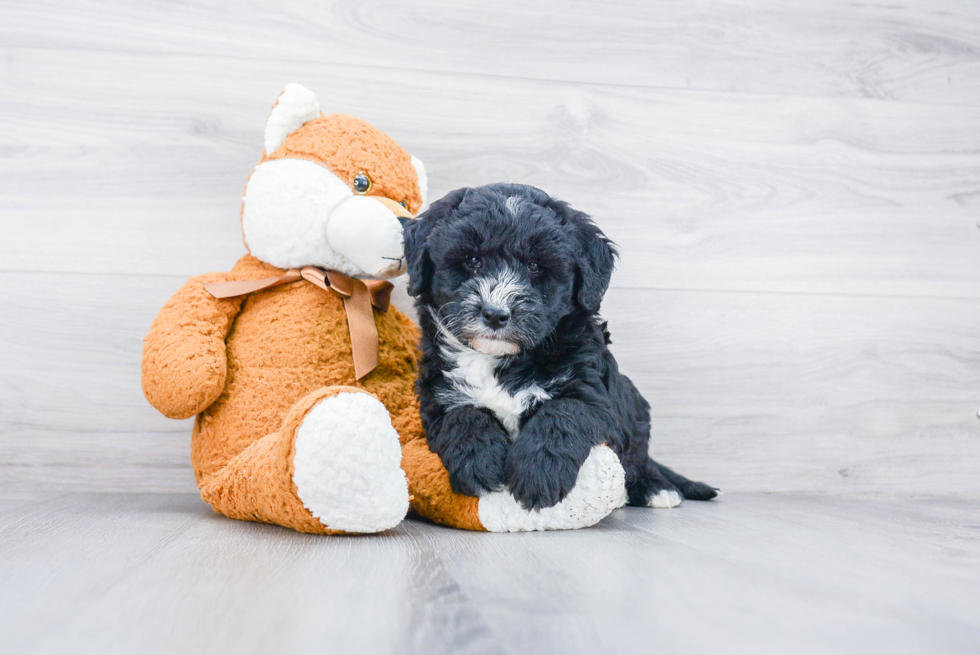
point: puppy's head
(500, 265)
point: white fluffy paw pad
(599, 489)
(665, 498)
(348, 465)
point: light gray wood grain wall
(795, 189)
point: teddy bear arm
(184, 361)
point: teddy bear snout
(368, 233)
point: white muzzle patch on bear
(297, 213)
(369, 235)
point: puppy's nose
(495, 316)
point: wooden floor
(795, 189)
(751, 573)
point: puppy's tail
(689, 489)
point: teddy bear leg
(599, 489)
(432, 496)
(333, 467)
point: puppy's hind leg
(647, 486)
(690, 489)
(649, 483)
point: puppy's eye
(473, 263)
(533, 267)
(362, 183)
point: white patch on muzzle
(501, 289)
(287, 206)
(297, 213)
(368, 234)
(495, 347)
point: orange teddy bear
(300, 373)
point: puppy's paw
(473, 447)
(538, 478)
(599, 489)
(665, 498)
(661, 493)
(476, 471)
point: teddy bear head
(330, 191)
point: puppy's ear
(597, 256)
(417, 234)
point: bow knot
(358, 295)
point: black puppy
(517, 383)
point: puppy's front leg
(473, 447)
(544, 462)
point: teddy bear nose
(495, 316)
(405, 221)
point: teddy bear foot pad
(347, 465)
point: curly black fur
(526, 413)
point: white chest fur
(475, 383)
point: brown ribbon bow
(358, 295)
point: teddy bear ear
(296, 106)
(423, 178)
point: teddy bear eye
(362, 183)
(473, 263)
(403, 204)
